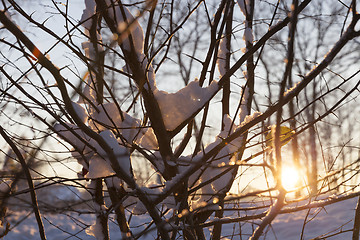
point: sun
(290, 178)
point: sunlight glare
(290, 177)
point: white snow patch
(222, 56)
(95, 230)
(248, 35)
(213, 169)
(88, 12)
(99, 168)
(69, 135)
(125, 30)
(148, 140)
(244, 5)
(243, 108)
(89, 90)
(215, 166)
(150, 73)
(80, 111)
(284, 226)
(109, 117)
(89, 49)
(249, 118)
(177, 107)
(121, 153)
(131, 129)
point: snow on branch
(96, 165)
(110, 117)
(177, 107)
(92, 47)
(221, 61)
(127, 26)
(248, 35)
(270, 216)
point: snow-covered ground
(71, 225)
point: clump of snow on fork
(110, 117)
(175, 107)
(98, 164)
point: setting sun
(290, 178)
